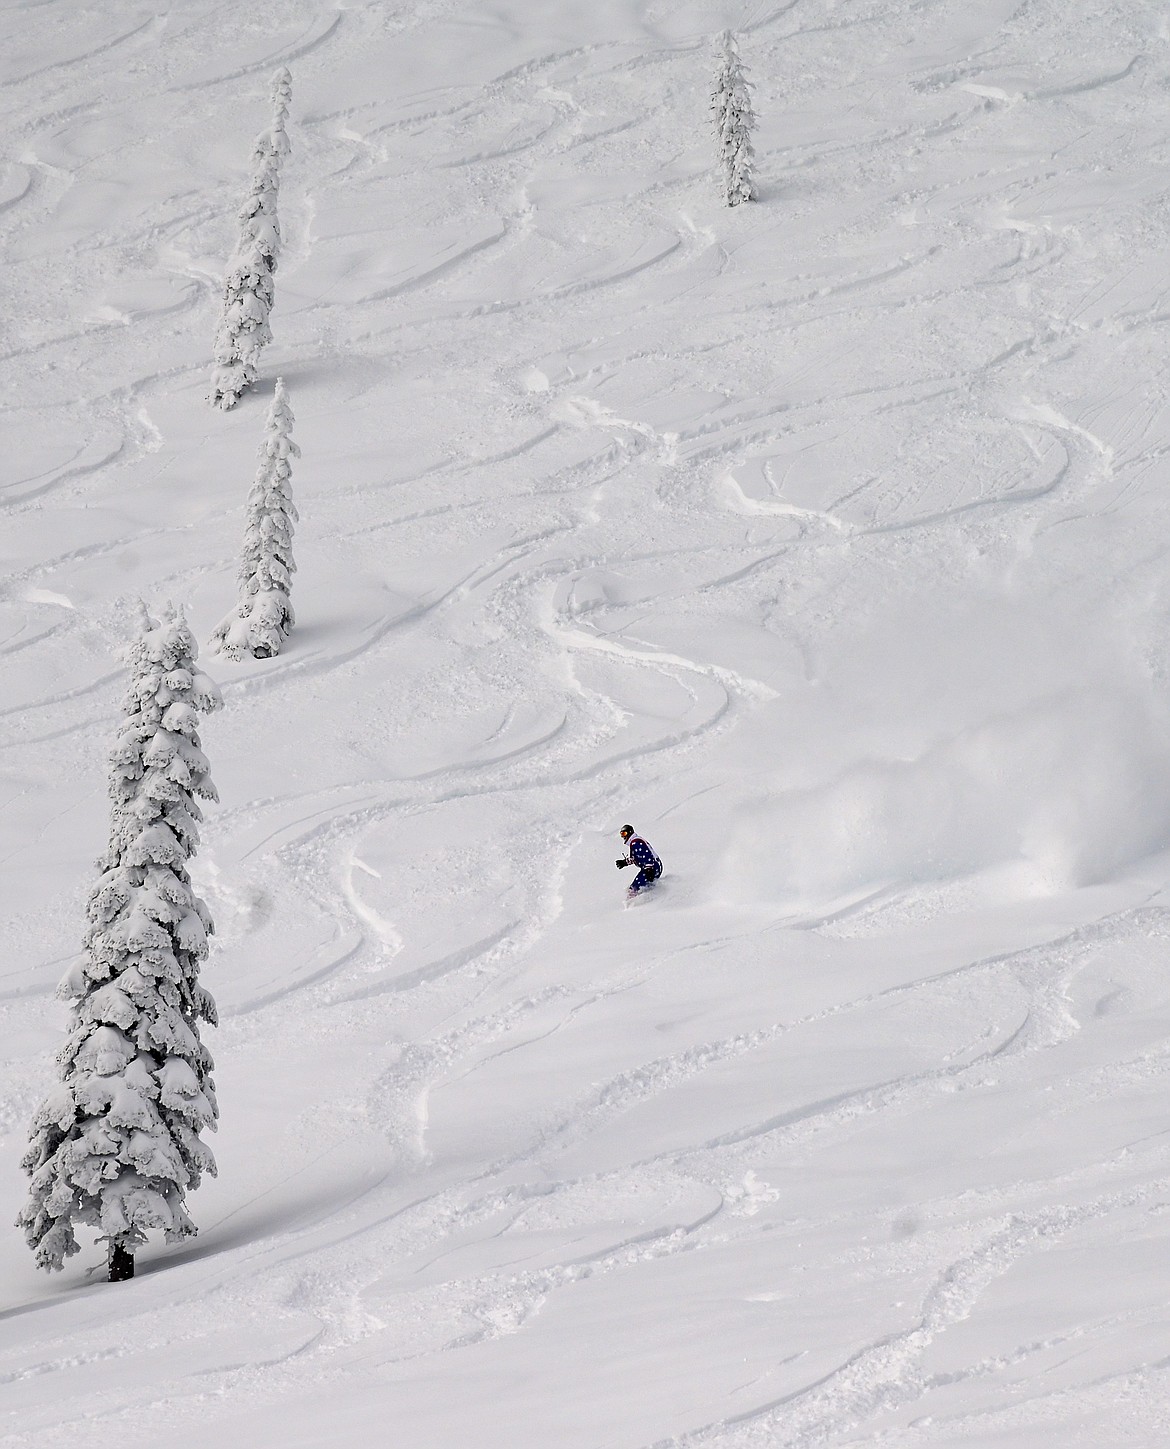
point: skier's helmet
(626, 831)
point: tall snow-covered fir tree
(116, 1146)
(248, 288)
(731, 106)
(263, 615)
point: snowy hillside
(823, 538)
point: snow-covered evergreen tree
(116, 1146)
(263, 615)
(248, 288)
(731, 105)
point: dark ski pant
(645, 877)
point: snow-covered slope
(823, 538)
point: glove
(621, 864)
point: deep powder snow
(822, 537)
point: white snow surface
(823, 539)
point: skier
(639, 852)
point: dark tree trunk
(121, 1263)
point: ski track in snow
(823, 538)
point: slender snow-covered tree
(248, 288)
(731, 106)
(116, 1146)
(263, 615)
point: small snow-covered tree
(248, 288)
(280, 89)
(731, 106)
(116, 1146)
(263, 615)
